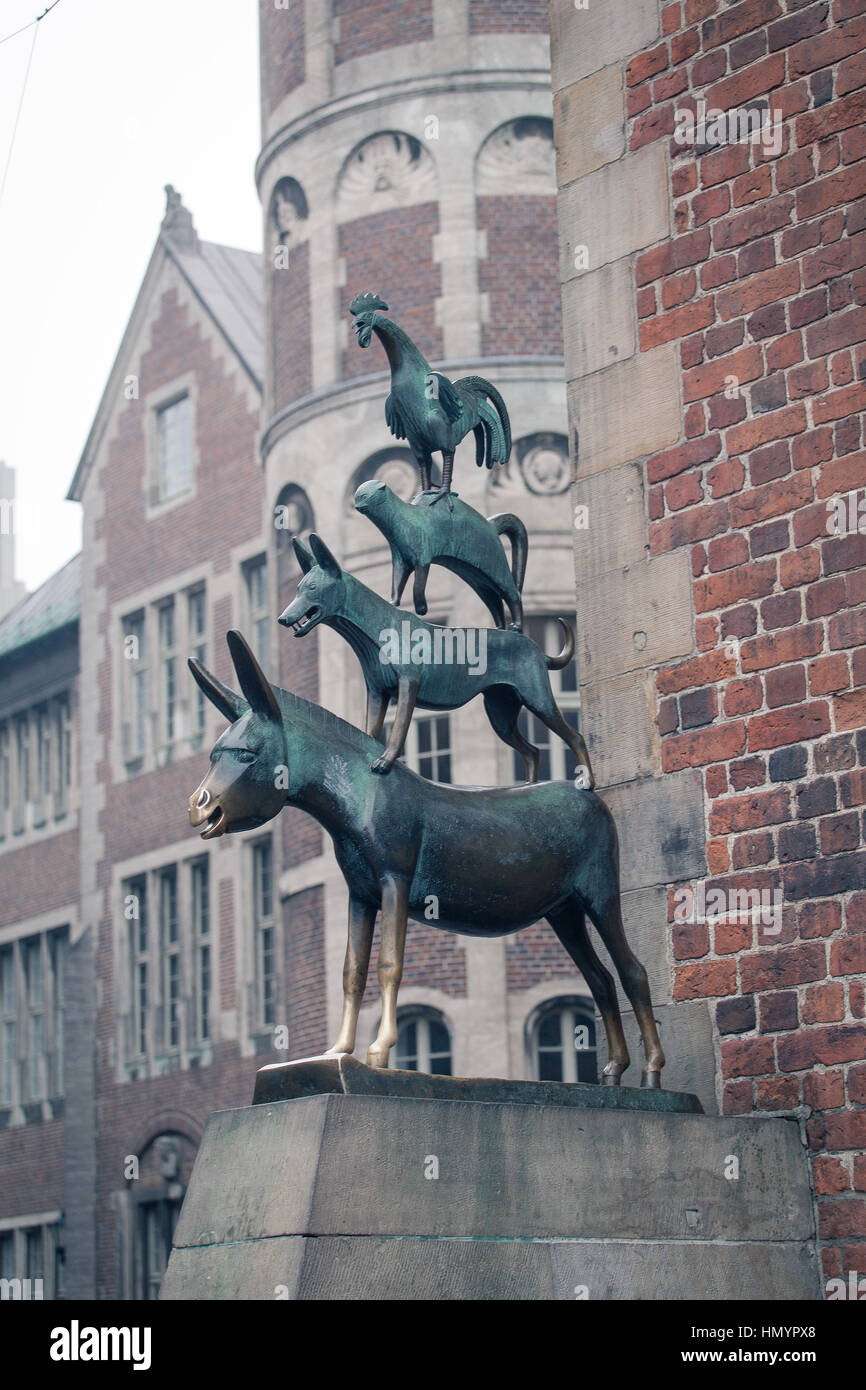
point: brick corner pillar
(712, 206)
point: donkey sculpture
(488, 862)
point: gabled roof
(227, 282)
(54, 605)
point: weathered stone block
(598, 319)
(614, 211)
(629, 410)
(589, 124)
(584, 40)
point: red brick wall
(434, 958)
(520, 275)
(290, 317)
(283, 50)
(31, 1161)
(305, 985)
(764, 281)
(508, 16)
(535, 955)
(366, 26)
(391, 254)
(148, 811)
(40, 877)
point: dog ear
(254, 683)
(324, 557)
(226, 701)
(302, 554)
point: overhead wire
(34, 24)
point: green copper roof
(54, 605)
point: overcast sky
(122, 98)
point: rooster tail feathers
(494, 415)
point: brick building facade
(711, 308)
(727, 276)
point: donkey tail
(506, 524)
(556, 663)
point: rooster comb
(366, 303)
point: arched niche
(517, 158)
(289, 213)
(390, 169)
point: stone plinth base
(348, 1196)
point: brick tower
(407, 150)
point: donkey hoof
(611, 1078)
(651, 1080)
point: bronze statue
(461, 540)
(405, 658)
(433, 413)
(483, 862)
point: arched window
(423, 1043)
(562, 1041)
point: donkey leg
(395, 896)
(608, 920)
(503, 711)
(362, 918)
(569, 923)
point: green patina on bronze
(427, 409)
(490, 861)
(406, 658)
(462, 540)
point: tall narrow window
(135, 664)
(22, 741)
(5, 781)
(8, 1026)
(168, 673)
(169, 940)
(196, 620)
(156, 1222)
(135, 896)
(174, 444)
(34, 986)
(63, 755)
(265, 931)
(556, 761)
(258, 616)
(200, 893)
(44, 761)
(57, 956)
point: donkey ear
(226, 701)
(304, 557)
(254, 682)
(324, 556)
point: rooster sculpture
(427, 409)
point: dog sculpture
(461, 540)
(515, 674)
(494, 860)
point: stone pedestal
(362, 1196)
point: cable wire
(18, 112)
(32, 21)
